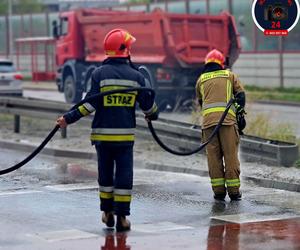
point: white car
(10, 79)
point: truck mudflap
(86, 77)
(58, 80)
(235, 45)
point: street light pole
(10, 30)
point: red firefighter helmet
(117, 43)
(215, 56)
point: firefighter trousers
(115, 178)
(222, 157)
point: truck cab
(68, 50)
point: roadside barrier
(181, 135)
(152, 130)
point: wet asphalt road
(169, 211)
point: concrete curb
(26, 147)
(267, 183)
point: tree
(27, 6)
(21, 6)
(3, 7)
(139, 1)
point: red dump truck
(173, 46)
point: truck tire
(165, 104)
(72, 94)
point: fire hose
(150, 126)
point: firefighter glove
(152, 117)
(239, 109)
(241, 121)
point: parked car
(10, 79)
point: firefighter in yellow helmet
(214, 88)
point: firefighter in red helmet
(214, 88)
(114, 125)
(117, 43)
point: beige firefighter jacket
(214, 90)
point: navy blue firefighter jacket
(114, 120)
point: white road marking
(72, 187)
(72, 234)
(159, 227)
(15, 192)
(247, 217)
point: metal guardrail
(181, 135)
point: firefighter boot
(236, 197)
(122, 224)
(220, 197)
(108, 219)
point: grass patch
(278, 94)
(260, 125)
(5, 118)
(265, 89)
(297, 164)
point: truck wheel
(72, 94)
(166, 105)
(187, 105)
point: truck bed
(162, 38)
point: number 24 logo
(275, 25)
